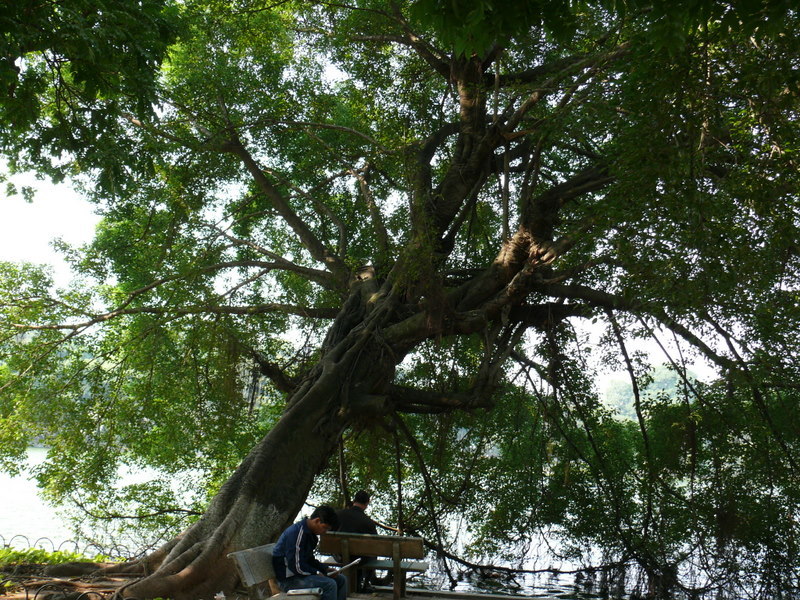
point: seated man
(294, 561)
(354, 519)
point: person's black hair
(362, 497)
(327, 515)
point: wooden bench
(255, 569)
(399, 549)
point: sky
(27, 229)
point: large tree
(392, 219)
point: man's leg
(341, 586)
(331, 588)
(366, 577)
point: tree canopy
(391, 245)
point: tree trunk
(269, 487)
(259, 500)
(360, 352)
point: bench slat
(371, 545)
(405, 565)
(398, 549)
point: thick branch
(287, 309)
(309, 240)
(323, 278)
(437, 59)
(606, 300)
(275, 373)
(568, 68)
(375, 215)
(315, 125)
(532, 75)
(415, 400)
(541, 213)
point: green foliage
(68, 70)
(11, 556)
(249, 158)
(473, 26)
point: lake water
(25, 519)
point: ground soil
(57, 582)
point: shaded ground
(80, 581)
(77, 581)
(58, 582)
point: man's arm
(320, 566)
(296, 548)
(303, 560)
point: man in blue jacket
(293, 557)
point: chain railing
(21, 579)
(115, 551)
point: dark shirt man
(293, 557)
(353, 519)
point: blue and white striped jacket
(293, 555)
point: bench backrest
(255, 564)
(362, 544)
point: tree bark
(270, 485)
(259, 500)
